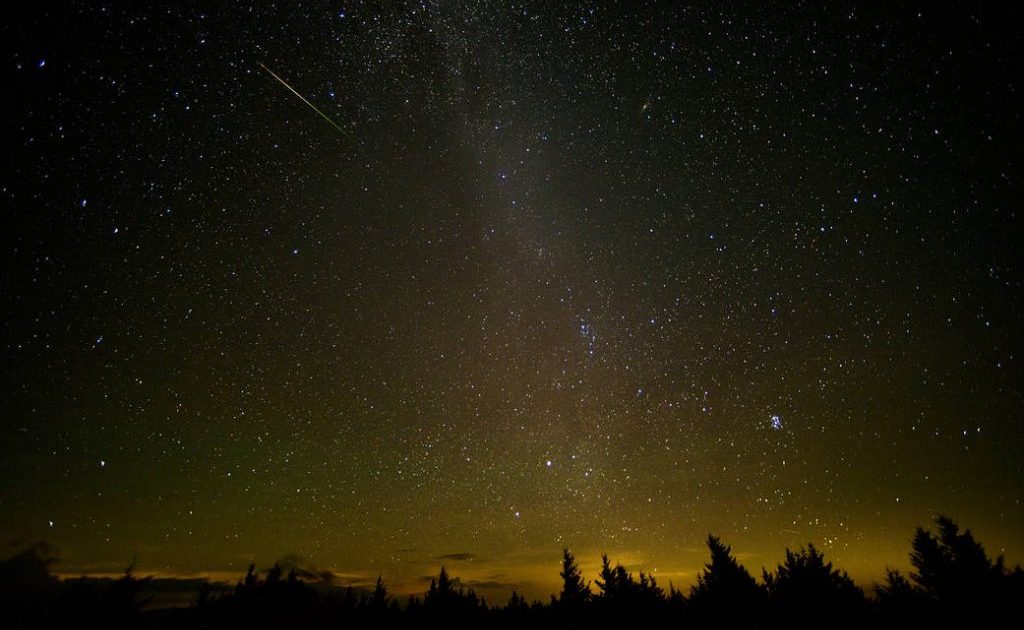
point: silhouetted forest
(952, 578)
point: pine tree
(615, 582)
(724, 586)
(805, 583)
(607, 581)
(649, 593)
(898, 599)
(516, 603)
(441, 592)
(379, 599)
(952, 569)
(574, 591)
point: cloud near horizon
(462, 556)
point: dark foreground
(953, 582)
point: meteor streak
(290, 88)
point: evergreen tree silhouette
(516, 611)
(805, 585)
(676, 606)
(649, 595)
(441, 593)
(620, 595)
(516, 602)
(443, 601)
(247, 586)
(607, 577)
(898, 599)
(895, 587)
(574, 592)
(616, 584)
(952, 580)
(725, 590)
(676, 598)
(274, 575)
(954, 573)
(379, 599)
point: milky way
(604, 276)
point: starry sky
(604, 275)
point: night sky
(609, 276)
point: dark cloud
(355, 581)
(459, 557)
(489, 582)
(482, 584)
(305, 569)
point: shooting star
(292, 90)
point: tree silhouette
(26, 585)
(676, 600)
(442, 599)
(122, 598)
(517, 602)
(649, 594)
(807, 585)
(725, 589)
(247, 586)
(952, 580)
(954, 573)
(441, 592)
(517, 611)
(898, 599)
(574, 592)
(379, 599)
(619, 594)
(895, 587)
(616, 584)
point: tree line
(952, 578)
